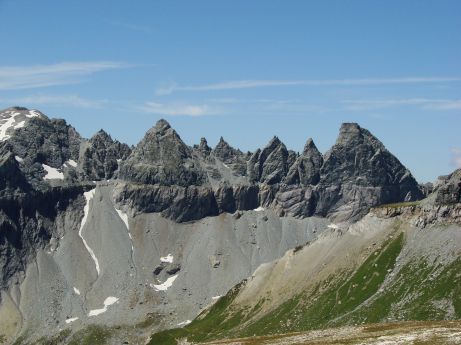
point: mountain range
(104, 243)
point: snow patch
(8, 121)
(107, 302)
(6, 125)
(19, 125)
(168, 283)
(167, 259)
(77, 291)
(259, 209)
(184, 323)
(88, 196)
(19, 159)
(333, 226)
(72, 319)
(52, 173)
(216, 298)
(33, 113)
(123, 216)
(226, 165)
(71, 162)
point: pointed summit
(203, 147)
(359, 158)
(161, 157)
(162, 125)
(306, 169)
(269, 165)
(225, 152)
(101, 135)
(310, 146)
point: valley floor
(401, 333)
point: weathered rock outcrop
(162, 158)
(448, 191)
(233, 158)
(306, 169)
(358, 173)
(101, 156)
(269, 165)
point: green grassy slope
(418, 291)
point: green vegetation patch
(419, 292)
(331, 299)
(212, 323)
(91, 335)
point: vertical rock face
(232, 157)
(448, 191)
(306, 169)
(269, 165)
(52, 142)
(203, 148)
(359, 171)
(102, 155)
(360, 158)
(162, 158)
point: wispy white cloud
(247, 84)
(64, 100)
(424, 103)
(456, 157)
(37, 76)
(178, 109)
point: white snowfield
(72, 319)
(107, 302)
(184, 323)
(52, 173)
(259, 209)
(124, 217)
(333, 226)
(168, 283)
(71, 162)
(88, 196)
(18, 159)
(167, 259)
(77, 291)
(214, 298)
(9, 120)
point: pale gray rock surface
(218, 212)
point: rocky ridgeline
(442, 207)
(44, 171)
(163, 174)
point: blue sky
(246, 70)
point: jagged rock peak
(161, 157)
(222, 144)
(448, 189)
(204, 144)
(203, 147)
(306, 168)
(101, 135)
(269, 165)
(162, 125)
(310, 146)
(352, 134)
(225, 152)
